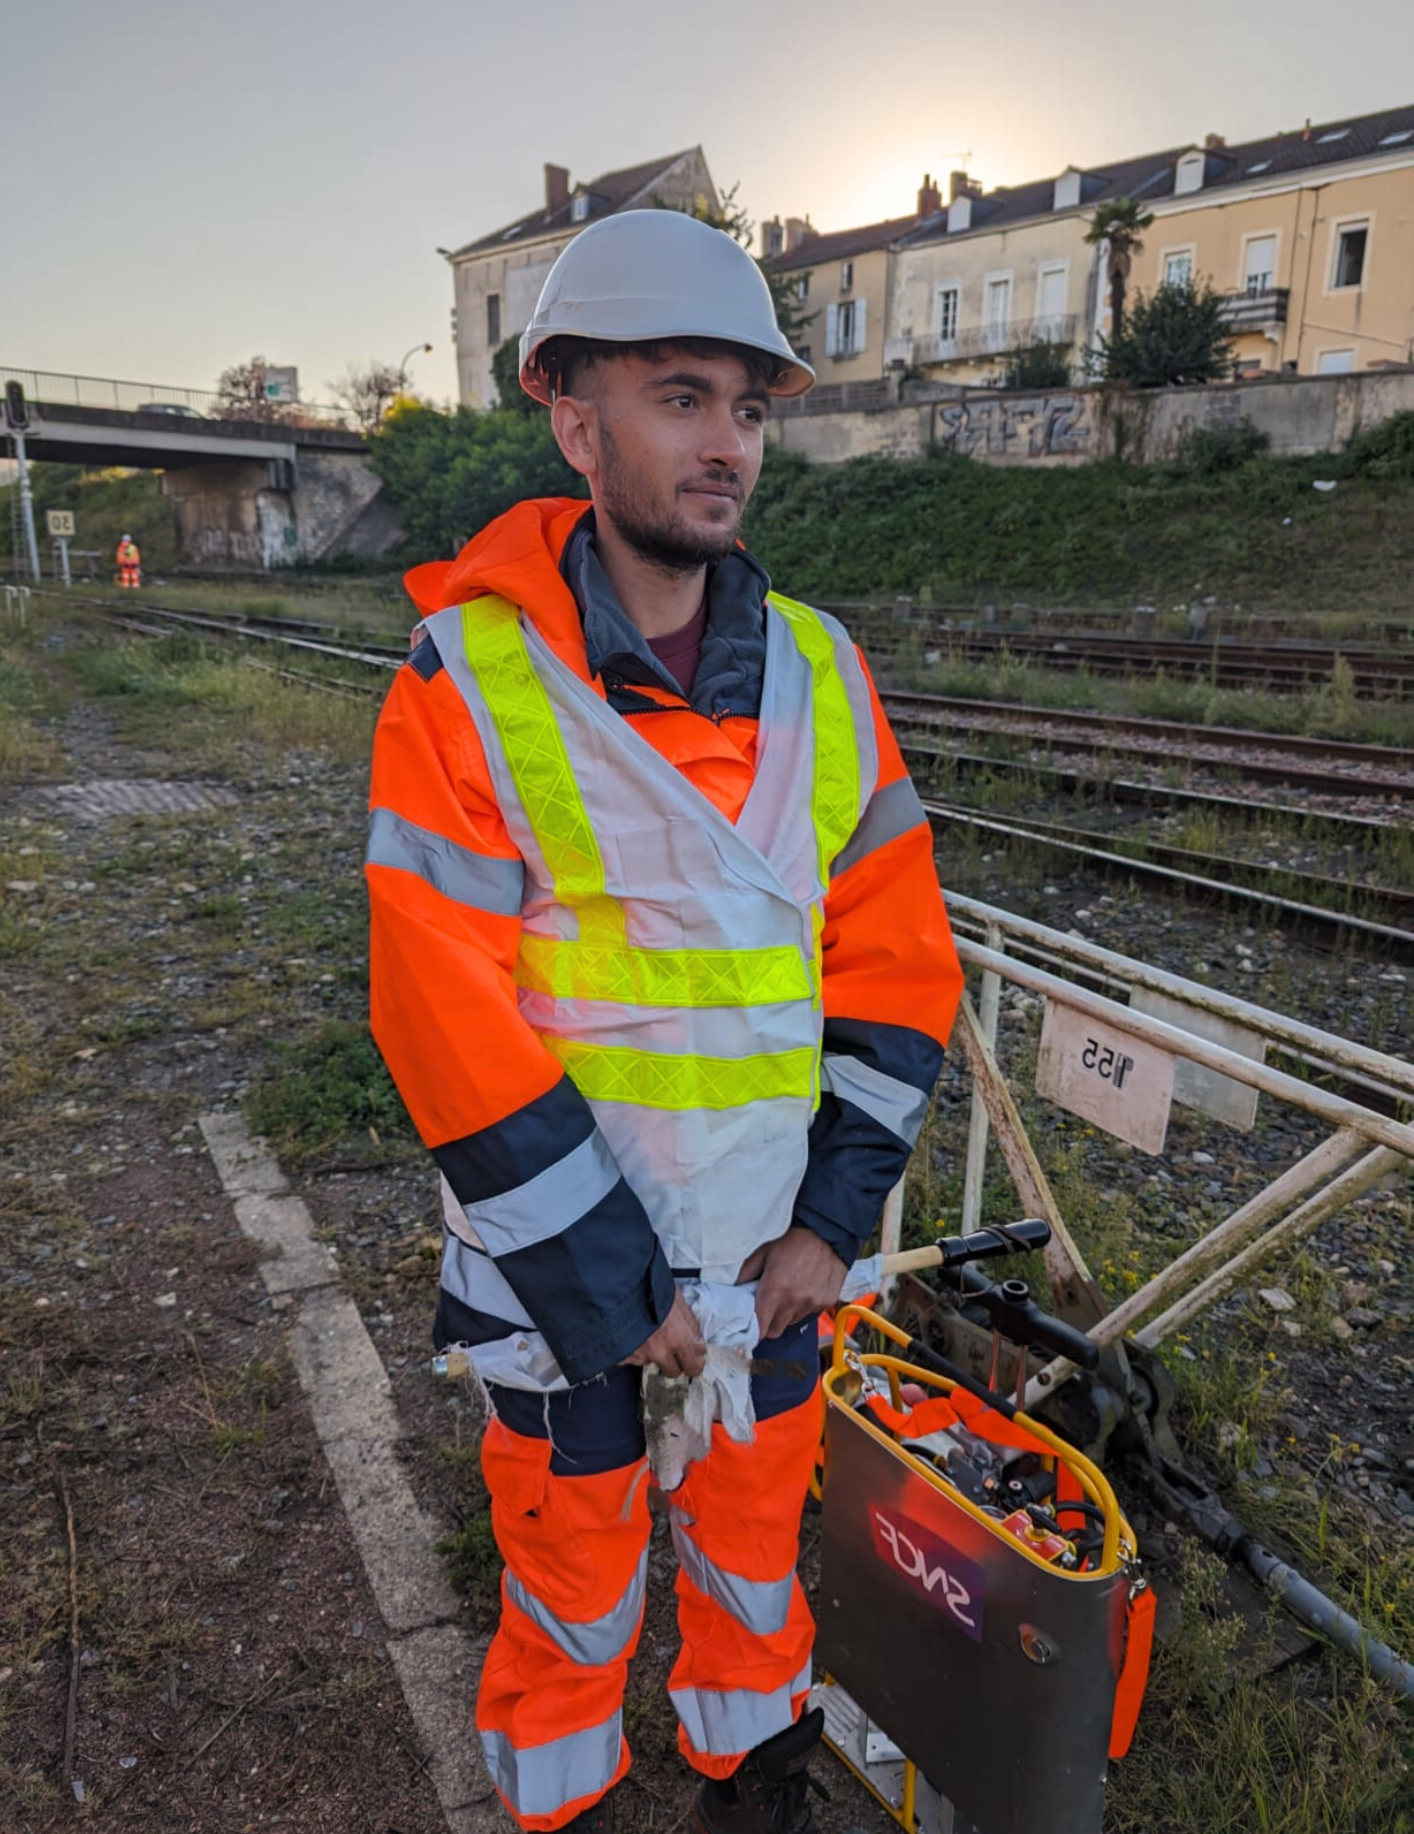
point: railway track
(1281, 666)
(1384, 919)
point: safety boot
(770, 1792)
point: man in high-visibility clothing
(129, 562)
(660, 966)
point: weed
(330, 1087)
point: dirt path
(208, 1654)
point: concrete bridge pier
(253, 515)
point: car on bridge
(173, 409)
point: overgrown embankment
(1250, 530)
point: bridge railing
(42, 385)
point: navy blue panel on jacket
(865, 1126)
(591, 1277)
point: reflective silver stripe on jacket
(594, 1643)
(722, 1722)
(758, 1605)
(543, 1778)
(892, 811)
(548, 1203)
(475, 1279)
(893, 1104)
(476, 879)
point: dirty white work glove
(678, 1413)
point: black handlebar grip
(1014, 1313)
(1004, 1239)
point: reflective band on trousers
(543, 1778)
(614, 1073)
(761, 1606)
(591, 1644)
(721, 1722)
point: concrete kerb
(350, 1402)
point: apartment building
(498, 277)
(841, 281)
(1308, 235)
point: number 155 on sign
(1105, 1075)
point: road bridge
(248, 492)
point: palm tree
(1120, 221)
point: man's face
(672, 450)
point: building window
(845, 328)
(1052, 284)
(996, 308)
(802, 287)
(579, 207)
(948, 302)
(1350, 255)
(1335, 362)
(846, 276)
(1178, 268)
(493, 319)
(1260, 264)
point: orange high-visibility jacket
(506, 1123)
(128, 555)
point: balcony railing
(1254, 308)
(984, 341)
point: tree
(241, 390)
(1176, 336)
(369, 392)
(450, 474)
(1120, 221)
(1038, 365)
(505, 368)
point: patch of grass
(329, 1088)
(473, 1560)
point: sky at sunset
(193, 184)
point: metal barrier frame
(1363, 1148)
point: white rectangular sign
(1194, 1084)
(61, 521)
(1106, 1076)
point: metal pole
(27, 507)
(978, 1127)
(64, 559)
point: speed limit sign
(61, 522)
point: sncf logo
(931, 1566)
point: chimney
(773, 238)
(557, 188)
(1306, 131)
(798, 230)
(929, 199)
(959, 185)
(1215, 141)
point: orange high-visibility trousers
(570, 1515)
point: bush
(1208, 451)
(1040, 365)
(1385, 451)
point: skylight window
(1337, 133)
(1398, 139)
(1262, 165)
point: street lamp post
(403, 366)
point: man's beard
(667, 542)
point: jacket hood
(517, 557)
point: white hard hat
(126, 535)
(646, 276)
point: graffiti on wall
(1016, 426)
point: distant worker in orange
(129, 563)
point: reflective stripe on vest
(592, 1644)
(761, 1606)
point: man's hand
(799, 1275)
(676, 1346)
